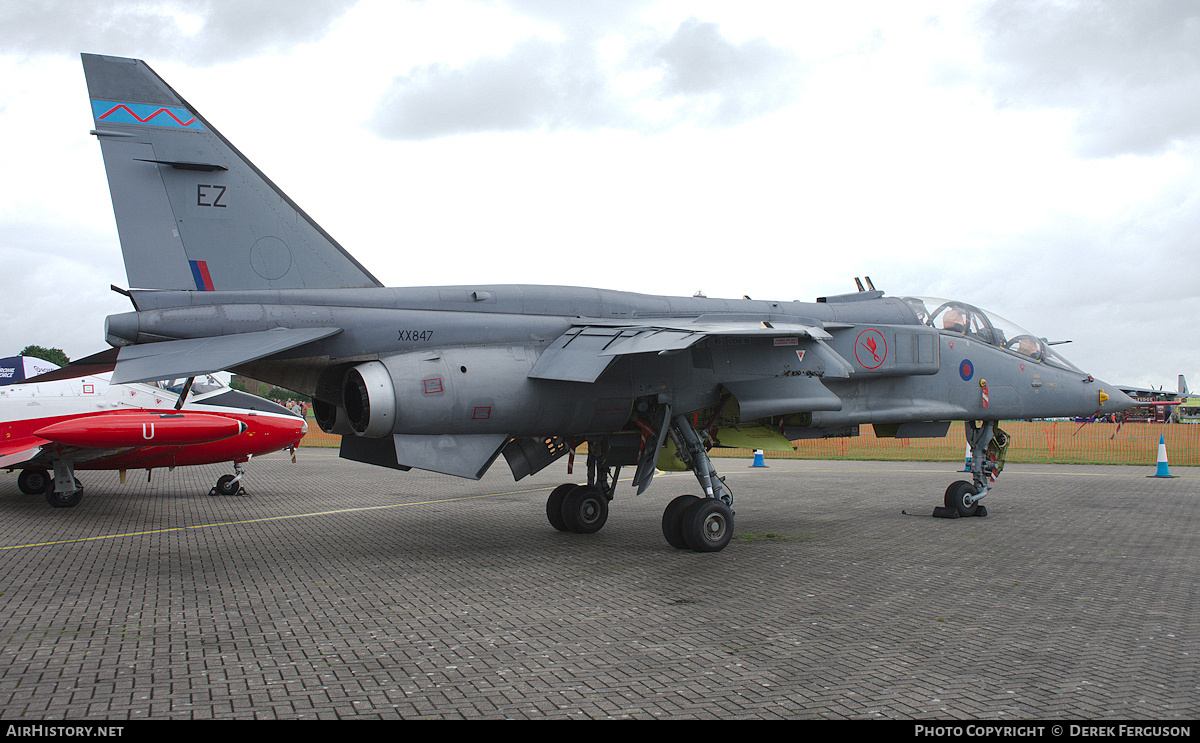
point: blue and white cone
(758, 459)
(967, 460)
(1163, 469)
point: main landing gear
(702, 524)
(583, 509)
(699, 524)
(230, 484)
(989, 446)
(62, 488)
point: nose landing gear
(989, 445)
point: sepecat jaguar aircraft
(227, 272)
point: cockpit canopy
(949, 316)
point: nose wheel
(960, 497)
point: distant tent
(19, 368)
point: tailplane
(192, 212)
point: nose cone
(1113, 400)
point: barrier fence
(1058, 442)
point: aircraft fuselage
(463, 358)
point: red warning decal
(870, 349)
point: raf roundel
(966, 370)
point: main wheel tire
(956, 497)
(554, 505)
(33, 481)
(585, 510)
(708, 525)
(228, 485)
(672, 521)
(63, 500)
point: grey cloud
(564, 85)
(743, 80)
(230, 30)
(1130, 70)
(537, 85)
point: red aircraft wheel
(226, 485)
(63, 500)
(33, 481)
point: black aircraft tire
(956, 498)
(672, 521)
(585, 510)
(554, 505)
(64, 500)
(227, 486)
(33, 481)
(708, 525)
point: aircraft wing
(193, 356)
(15, 453)
(587, 349)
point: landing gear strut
(699, 524)
(988, 448)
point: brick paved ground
(340, 590)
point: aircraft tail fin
(1183, 388)
(192, 212)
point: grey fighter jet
(227, 272)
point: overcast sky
(1038, 159)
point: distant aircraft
(1154, 404)
(63, 421)
(227, 272)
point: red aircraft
(73, 419)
